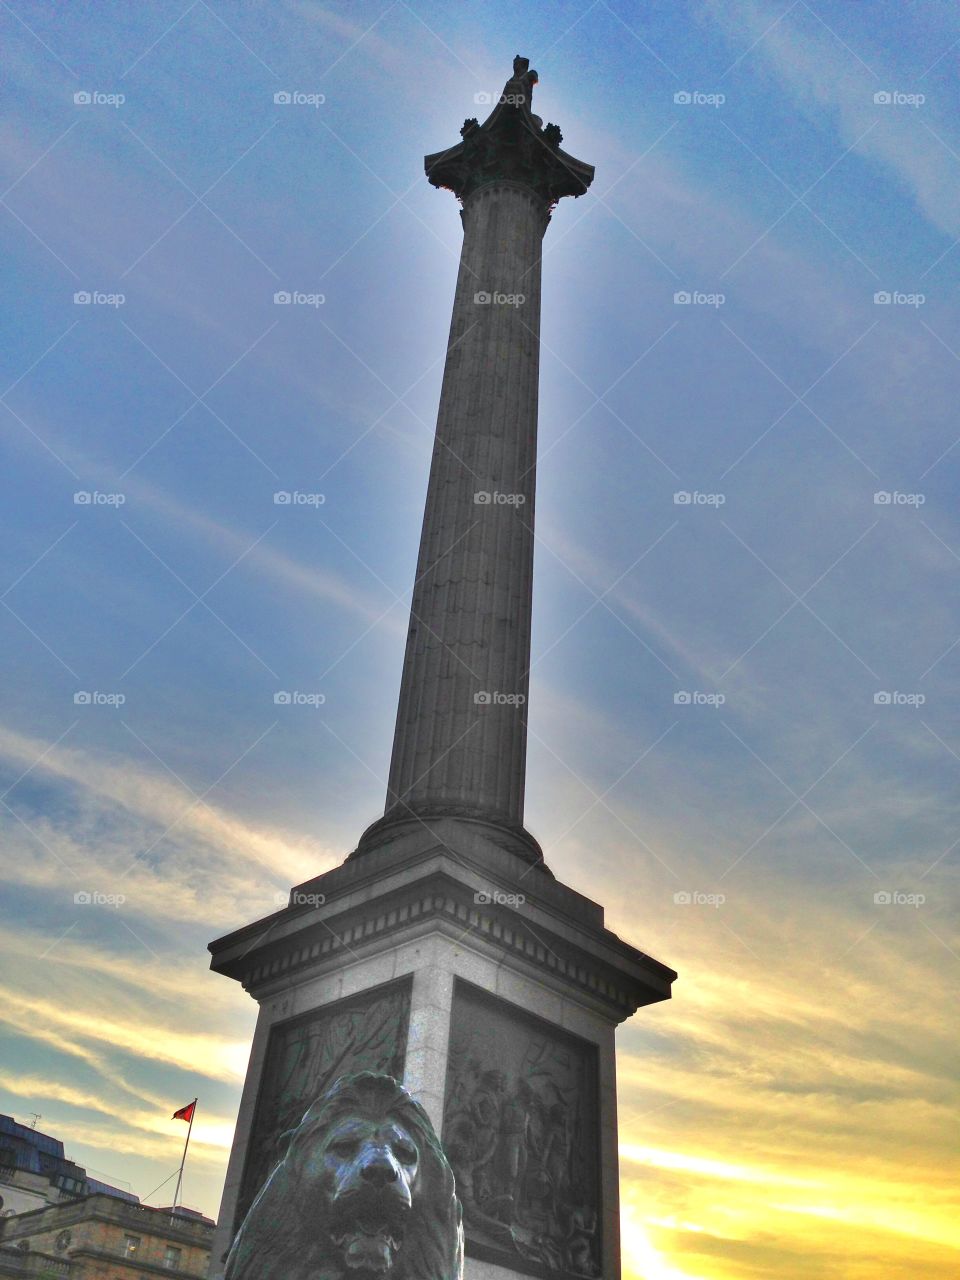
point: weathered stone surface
(460, 744)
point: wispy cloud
(831, 80)
(82, 1028)
(153, 797)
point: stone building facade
(101, 1237)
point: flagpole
(176, 1194)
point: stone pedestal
(493, 992)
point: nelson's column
(443, 950)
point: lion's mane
(284, 1237)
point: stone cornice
(143, 1219)
(618, 982)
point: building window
(171, 1258)
(131, 1246)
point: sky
(746, 653)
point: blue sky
(789, 1107)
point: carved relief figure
(515, 1140)
(522, 1138)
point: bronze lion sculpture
(363, 1191)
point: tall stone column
(460, 744)
(441, 951)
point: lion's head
(363, 1191)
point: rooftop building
(105, 1237)
(34, 1171)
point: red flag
(185, 1113)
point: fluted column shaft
(460, 744)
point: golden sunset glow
(739, 736)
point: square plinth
(494, 993)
